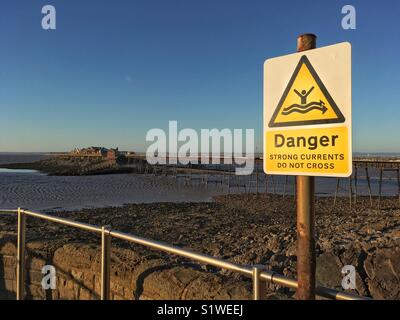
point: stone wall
(133, 276)
(139, 273)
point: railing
(256, 272)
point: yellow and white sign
(307, 113)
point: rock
(291, 249)
(383, 270)
(395, 234)
(355, 256)
(328, 271)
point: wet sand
(38, 191)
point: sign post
(305, 187)
(307, 132)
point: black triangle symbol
(340, 118)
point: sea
(34, 190)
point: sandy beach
(38, 191)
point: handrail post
(258, 285)
(21, 254)
(105, 263)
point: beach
(38, 191)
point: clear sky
(112, 70)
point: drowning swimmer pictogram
(305, 107)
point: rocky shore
(247, 229)
(75, 166)
(70, 167)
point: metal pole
(355, 185)
(380, 188)
(398, 183)
(258, 284)
(273, 184)
(257, 180)
(350, 191)
(229, 182)
(306, 259)
(336, 192)
(21, 254)
(284, 186)
(369, 185)
(105, 263)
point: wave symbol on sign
(305, 107)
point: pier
(371, 177)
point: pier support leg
(273, 184)
(355, 185)
(350, 191)
(256, 181)
(380, 188)
(369, 186)
(284, 187)
(398, 183)
(336, 192)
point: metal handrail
(257, 272)
(67, 222)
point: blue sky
(115, 69)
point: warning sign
(305, 100)
(307, 113)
